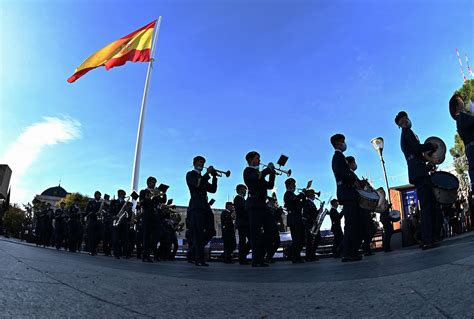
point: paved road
(39, 282)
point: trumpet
(279, 171)
(219, 173)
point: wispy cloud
(26, 149)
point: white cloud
(26, 149)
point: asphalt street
(46, 283)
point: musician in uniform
(120, 231)
(60, 226)
(364, 216)
(310, 217)
(160, 235)
(387, 224)
(40, 224)
(242, 223)
(465, 127)
(256, 206)
(276, 213)
(418, 175)
(106, 230)
(74, 227)
(199, 210)
(148, 204)
(294, 205)
(336, 228)
(48, 231)
(228, 232)
(93, 225)
(347, 195)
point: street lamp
(378, 145)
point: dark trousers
(60, 234)
(350, 242)
(424, 190)
(312, 242)
(120, 240)
(297, 241)
(174, 242)
(259, 220)
(149, 234)
(139, 240)
(365, 229)
(74, 239)
(93, 235)
(275, 242)
(132, 239)
(202, 225)
(338, 236)
(244, 242)
(229, 245)
(108, 238)
(387, 235)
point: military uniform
(258, 211)
(310, 216)
(228, 235)
(294, 205)
(200, 213)
(243, 227)
(60, 227)
(418, 174)
(347, 196)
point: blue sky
(230, 77)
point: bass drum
(382, 205)
(445, 187)
(368, 199)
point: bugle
(219, 173)
(279, 171)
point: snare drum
(394, 215)
(368, 199)
(445, 187)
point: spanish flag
(133, 47)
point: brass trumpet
(279, 171)
(219, 173)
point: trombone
(218, 172)
(279, 171)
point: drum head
(437, 157)
(395, 215)
(368, 195)
(445, 180)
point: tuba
(435, 157)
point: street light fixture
(378, 145)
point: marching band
(150, 228)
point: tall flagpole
(138, 147)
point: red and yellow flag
(133, 47)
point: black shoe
(244, 262)
(202, 264)
(147, 260)
(228, 262)
(388, 250)
(117, 257)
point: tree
(458, 150)
(15, 220)
(75, 197)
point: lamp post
(378, 145)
